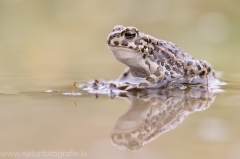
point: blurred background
(49, 44)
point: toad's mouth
(113, 47)
(123, 51)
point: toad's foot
(152, 81)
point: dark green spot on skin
(156, 49)
(145, 39)
(199, 67)
(209, 69)
(162, 62)
(157, 72)
(116, 43)
(192, 72)
(150, 52)
(185, 71)
(155, 56)
(149, 67)
(175, 52)
(202, 73)
(166, 73)
(178, 64)
(189, 63)
(143, 84)
(167, 67)
(137, 42)
(150, 79)
(151, 58)
(118, 35)
(125, 74)
(203, 63)
(171, 62)
(147, 63)
(173, 46)
(124, 43)
(144, 56)
(177, 70)
(166, 54)
(160, 43)
(112, 85)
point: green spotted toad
(158, 61)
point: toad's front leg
(150, 82)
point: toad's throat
(131, 58)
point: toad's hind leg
(198, 68)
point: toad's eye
(130, 35)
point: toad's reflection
(155, 112)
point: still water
(158, 123)
(47, 45)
